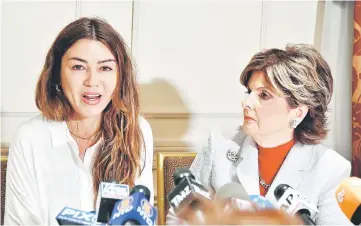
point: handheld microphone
(135, 209)
(261, 202)
(186, 190)
(236, 196)
(109, 193)
(70, 216)
(348, 195)
(293, 203)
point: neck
(84, 126)
(274, 140)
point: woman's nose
(92, 79)
(248, 101)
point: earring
(57, 88)
(294, 123)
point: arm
(21, 199)
(146, 178)
(202, 170)
(329, 211)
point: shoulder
(32, 129)
(327, 158)
(30, 137)
(221, 142)
(217, 144)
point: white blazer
(313, 170)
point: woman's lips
(249, 118)
(91, 98)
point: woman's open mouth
(91, 98)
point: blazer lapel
(247, 169)
(292, 172)
(298, 161)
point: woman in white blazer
(284, 116)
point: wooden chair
(4, 160)
(167, 163)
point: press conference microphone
(108, 194)
(348, 195)
(291, 201)
(135, 209)
(70, 216)
(186, 190)
(236, 196)
(214, 212)
(261, 202)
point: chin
(92, 112)
(249, 129)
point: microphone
(213, 212)
(135, 209)
(109, 193)
(186, 190)
(70, 216)
(348, 195)
(236, 196)
(293, 203)
(261, 202)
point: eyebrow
(262, 87)
(84, 61)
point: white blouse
(45, 173)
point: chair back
(4, 161)
(167, 163)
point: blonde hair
(302, 75)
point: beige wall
(189, 55)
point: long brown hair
(118, 155)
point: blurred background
(188, 56)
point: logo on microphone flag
(147, 208)
(125, 206)
(340, 196)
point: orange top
(270, 161)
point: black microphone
(293, 203)
(186, 190)
(108, 194)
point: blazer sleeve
(329, 211)
(21, 200)
(201, 168)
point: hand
(203, 211)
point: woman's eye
(265, 96)
(78, 67)
(106, 68)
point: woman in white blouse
(89, 130)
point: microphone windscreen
(233, 190)
(348, 195)
(142, 189)
(180, 174)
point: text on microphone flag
(114, 191)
